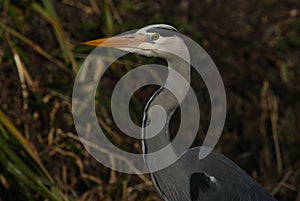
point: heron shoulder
(230, 180)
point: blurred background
(255, 45)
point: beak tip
(88, 43)
(95, 43)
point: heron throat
(168, 97)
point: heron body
(210, 179)
(214, 178)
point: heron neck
(179, 71)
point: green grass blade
(49, 14)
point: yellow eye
(155, 36)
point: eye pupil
(155, 36)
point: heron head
(153, 40)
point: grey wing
(218, 178)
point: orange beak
(123, 41)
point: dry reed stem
(103, 150)
(280, 184)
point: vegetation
(255, 44)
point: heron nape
(213, 178)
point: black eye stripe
(168, 28)
(163, 31)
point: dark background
(255, 45)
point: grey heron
(188, 179)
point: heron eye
(155, 36)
